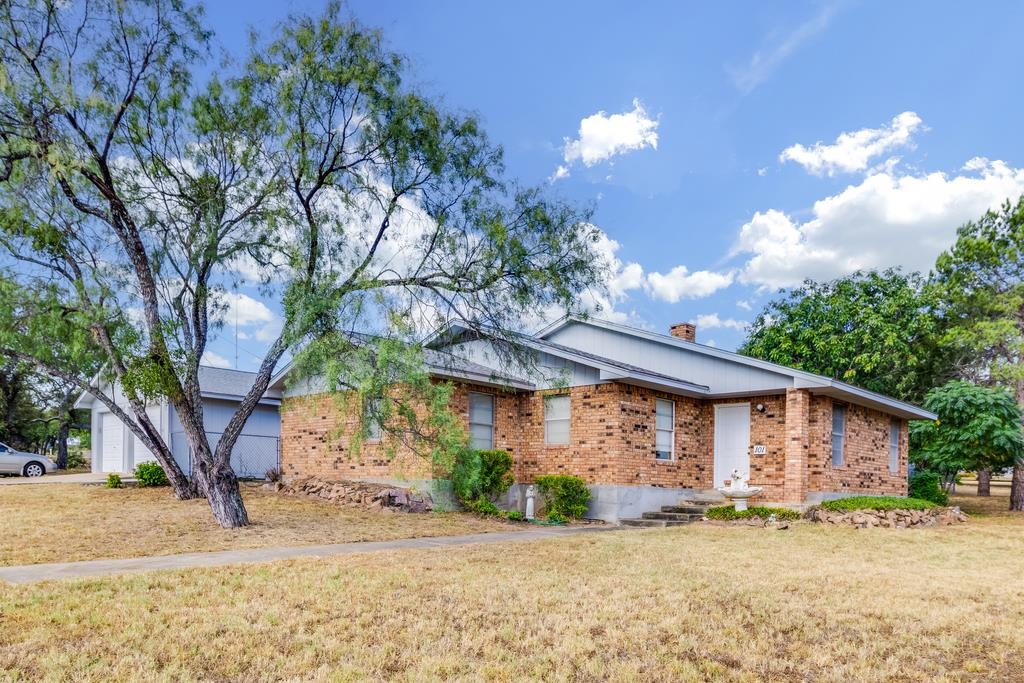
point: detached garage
(117, 449)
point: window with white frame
(556, 419)
(371, 419)
(481, 420)
(664, 429)
(894, 446)
(838, 435)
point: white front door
(113, 443)
(732, 441)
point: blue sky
(729, 149)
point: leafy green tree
(977, 428)
(871, 329)
(980, 284)
(134, 198)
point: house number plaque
(760, 449)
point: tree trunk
(224, 496)
(62, 444)
(985, 482)
(1017, 485)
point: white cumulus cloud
(711, 321)
(680, 283)
(889, 219)
(603, 136)
(215, 360)
(853, 151)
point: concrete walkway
(79, 478)
(93, 568)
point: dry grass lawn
(697, 603)
(65, 523)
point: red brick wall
(865, 469)
(612, 441)
(316, 437)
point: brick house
(644, 418)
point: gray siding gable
(722, 376)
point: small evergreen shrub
(557, 518)
(515, 516)
(881, 503)
(728, 513)
(466, 473)
(926, 485)
(151, 474)
(114, 481)
(565, 495)
(484, 507)
(495, 473)
(76, 459)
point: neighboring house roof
(818, 384)
(217, 383)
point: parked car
(13, 461)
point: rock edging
(890, 519)
(358, 494)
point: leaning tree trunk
(985, 482)
(220, 485)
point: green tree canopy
(977, 428)
(136, 193)
(871, 329)
(979, 283)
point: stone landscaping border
(891, 519)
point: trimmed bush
(515, 516)
(114, 481)
(466, 475)
(926, 485)
(151, 474)
(728, 512)
(495, 473)
(565, 495)
(482, 506)
(882, 503)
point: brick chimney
(684, 331)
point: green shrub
(881, 503)
(481, 474)
(482, 506)
(150, 474)
(76, 459)
(495, 473)
(114, 481)
(565, 495)
(466, 475)
(926, 485)
(557, 518)
(515, 515)
(728, 512)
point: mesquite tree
(136, 192)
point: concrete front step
(692, 509)
(652, 522)
(674, 516)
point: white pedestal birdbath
(738, 492)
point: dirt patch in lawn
(696, 603)
(65, 523)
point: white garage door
(113, 443)
(141, 453)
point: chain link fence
(251, 457)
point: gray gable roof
(227, 383)
(818, 384)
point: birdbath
(738, 492)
